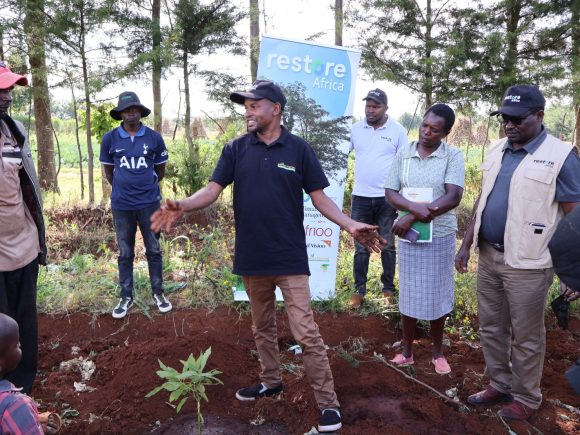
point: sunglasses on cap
(515, 120)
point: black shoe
(330, 420)
(254, 392)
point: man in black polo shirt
(270, 167)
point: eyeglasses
(515, 120)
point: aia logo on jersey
(132, 162)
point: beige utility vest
(533, 212)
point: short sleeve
(161, 154)
(105, 156)
(313, 177)
(223, 174)
(393, 180)
(568, 181)
(455, 173)
(403, 141)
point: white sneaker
(162, 303)
(122, 307)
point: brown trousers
(296, 293)
(511, 306)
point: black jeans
(126, 223)
(18, 300)
(374, 211)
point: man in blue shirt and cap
(134, 157)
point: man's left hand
(368, 236)
(568, 293)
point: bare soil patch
(374, 398)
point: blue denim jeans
(126, 223)
(374, 211)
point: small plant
(191, 382)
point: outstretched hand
(166, 216)
(368, 236)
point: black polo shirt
(268, 201)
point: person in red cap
(22, 238)
(530, 181)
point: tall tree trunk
(513, 10)
(508, 77)
(428, 87)
(576, 68)
(1, 45)
(187, 116)
(86, 85)
(77, 128)
(34, 29)
(254, 37)
(338, 22)
(156, 67)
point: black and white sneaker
(162, 303)
(254, 392)
(122, 307)
(330, 420)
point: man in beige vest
(22, 242)
(530, 180)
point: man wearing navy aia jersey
(134, 157)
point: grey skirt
(426, 278)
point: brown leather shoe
(516, 411)
(489, 396)
(356, 300)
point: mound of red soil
(375, 399)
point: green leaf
(185, 375)
(181, 403)
(175, 395)
(154, 391)
(172, 385)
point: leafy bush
(189, 170)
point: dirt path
(374, 398)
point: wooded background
(462, 53)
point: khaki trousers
(296, 293)
(511, 306)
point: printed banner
(318, 82)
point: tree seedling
(189, 383)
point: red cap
(9, 79)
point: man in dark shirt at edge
(270, 167)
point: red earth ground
(375, 399)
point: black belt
(496, 246)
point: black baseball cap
(261, 89)
(519, 99)
(377, 95)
